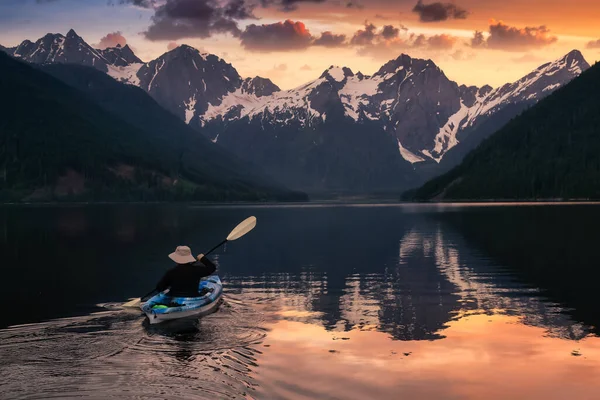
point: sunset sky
(474, 42)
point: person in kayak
(184, 278)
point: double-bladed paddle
(243, 227)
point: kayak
(163, 307)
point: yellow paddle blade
(244, 227)
(133, 303)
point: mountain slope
(56, 48)
(411, 99)
(57, 142)
(7, 50)
(550, 151)
(136, 108)
(504, 103)
(305, 139)
(120, 56)
(408, 112)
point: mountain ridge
(71, 147)
(432, 121)
(550, 151)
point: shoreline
(315, 202)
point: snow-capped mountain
(411, 99)
(120, 56)
(185, 81)
(56, 48)
(259, 87)
(488, 102)
(408, 112)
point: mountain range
(343, 131)
(86, 136)
(550, 151)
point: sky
(475, 42)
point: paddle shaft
(244, 227)
(216, 247)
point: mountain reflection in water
(320, 302)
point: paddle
(243, 227)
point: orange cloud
(441, 42)
(112, 40)
(594, 44)
(280, 36)
(390, 41)
(504, 37)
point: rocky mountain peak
(120, 56)
(72, 34)
(336, 74)
(259, 86)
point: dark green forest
(550, 151)
(110, 142)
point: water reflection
(436, 278)
(320, 302)
(482, 357)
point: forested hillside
(550, 151)
(57, 142)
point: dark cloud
(329, 39)
(287, 5)
(390, 40)
(510, 38)
(281, 36)
(364, 37)
(238, 9)
(478, 39)
(140, 3)
(177, 19)
(594, 44)
(390, 32)
(354, 4)
(112, 40)
(436, 12)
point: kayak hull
(162, 307)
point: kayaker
(184, 278)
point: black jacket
(183, 279)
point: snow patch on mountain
(446, 138)
(127, 74)
(249, 105)
(337, 73)
(356, 93)
(408, 155)
(190, 109)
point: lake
(449, 301)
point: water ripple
(117, 354)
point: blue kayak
(163, 307)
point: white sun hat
(182, 255)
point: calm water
(328, 302)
